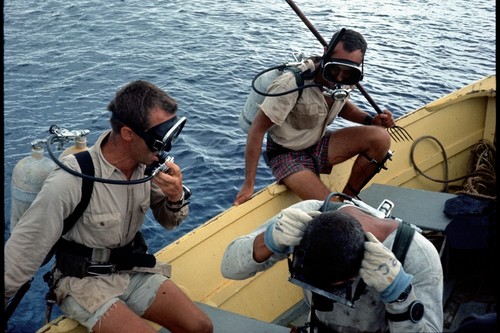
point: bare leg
(307, 185)
(174, 310)
(119, 318)
(171, 309)
(372, 141)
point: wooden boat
(457, 121)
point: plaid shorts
(283, 162)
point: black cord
(82, 175)
(329, 197)
(281, 68)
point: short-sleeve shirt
(298, 124)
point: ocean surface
(63, 62)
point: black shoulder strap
(298, 77)
(87, 168)
(404, 236)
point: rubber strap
(87, 168)
(402, 242)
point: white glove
(381, 270)
(287, 229)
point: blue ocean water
(63, 62)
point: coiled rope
(481, 175)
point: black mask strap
(331, 46)
(140, 132)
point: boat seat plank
(420, 207)
(229, 322)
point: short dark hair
(133, 104)
(352, 41)
(333, 243)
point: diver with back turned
(340, 255)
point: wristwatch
(404, 295)
(414, 313)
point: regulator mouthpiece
(337, 94)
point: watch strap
(415, 312)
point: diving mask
(159, 138)
(325, 295)
(343, 72)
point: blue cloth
(396, 288)
(486, 323)
(271, 244)
(467, 204)
(473, 222)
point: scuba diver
(103, 276)
(340, 255)
(300, 145)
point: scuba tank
(80, 145)
(259, 88)
(27, 180)
(254, 99)
(30, 173)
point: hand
(287, 229)
(244, 194)
(384, 119)
(381, 270)
(170, 182)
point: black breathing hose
(96, 179)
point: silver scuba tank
(27, 180)
(254, 99)
(261, 83)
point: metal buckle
(100, 269)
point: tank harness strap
(299, 79)
(74, 259)
(87, 167)
(402, 241)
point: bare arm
(260, 251)
(253, 150)
(353, 113)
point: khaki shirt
(113, 217)
(298, 124)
